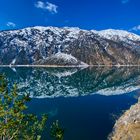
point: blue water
(84, 118)
(86, 102)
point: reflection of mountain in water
(68, 82)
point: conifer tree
(15, 124)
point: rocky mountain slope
(128, 126)
(60, 59)
(39, 45)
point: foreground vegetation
(15, 124)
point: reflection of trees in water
(100, 78)
(53, 82)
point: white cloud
(52, 7)
(135, 28)
(11, 24)
(47, 6)
(40, 4)
(125, 1)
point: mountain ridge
(30, 45)
(65, 27)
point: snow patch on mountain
(13, 62)
(117, 35)
(61, 59)
(66, 57)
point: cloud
(125, 1)
(40, 4)
(11, 24)
(135, 28)
(52, 8)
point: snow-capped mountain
(118, 35)
(39, 45)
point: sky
(85, 14)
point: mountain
(60, 59)
(119, 35)
(73, 81)
(68, 46)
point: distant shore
(53, 66)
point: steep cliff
(128, 126)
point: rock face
(39, 45)
(128, 126)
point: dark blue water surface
(84, 118)
(86, 102)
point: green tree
(56, 131)
(15, 124)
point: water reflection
(88, 117)
(71, 82)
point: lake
(86, 101)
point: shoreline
(68, 66)
(128, 125)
